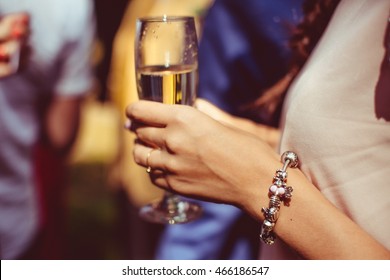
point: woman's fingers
(165, 126)
(152, 160)
(148, 157)
(147, 120)
(150, 113)
(151, 136)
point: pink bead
(273, 189)
(281, 191)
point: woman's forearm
(268, 134)
(314, 227)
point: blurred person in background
(40, 106)
(243, 51)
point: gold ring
(148, 168)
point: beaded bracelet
(278, 192)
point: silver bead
(277, 182)
(271, 214)
(288, 193)
(281, 175)
(270, 240)
(268, 226)
(292, 157)
(274, 202)
(266, 234)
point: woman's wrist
(256, 196)
(311, 221)
(279, 193)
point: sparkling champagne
(166, 65)
(169, 85)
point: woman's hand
(198, 156)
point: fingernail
(127, 124)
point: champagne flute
(166, 64)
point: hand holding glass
(166, 53)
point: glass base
(164, 213)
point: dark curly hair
(317, 14)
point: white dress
(337, 119)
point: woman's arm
(199, 157)
(268, 134)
